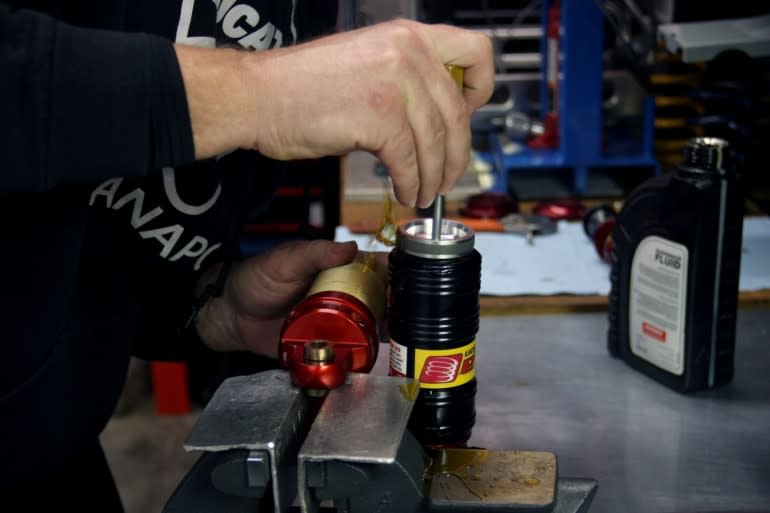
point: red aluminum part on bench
(561, 209)
(603, 240)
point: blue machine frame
(582, 146)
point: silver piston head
(416, 238)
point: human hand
(383, 89)
(260, 292)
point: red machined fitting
(598, 223)
(490, 205)
(561, 209)
(603, 242)
(554, 21)
(324, 375)
(549, 139)
(340, 319)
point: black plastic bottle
(675, 271)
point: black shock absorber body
(433, 323)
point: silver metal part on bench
(362, 421)
(260, 412)
(356, 452)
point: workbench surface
(547, 383)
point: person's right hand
(384, 89)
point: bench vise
(267, 446)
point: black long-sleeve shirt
(105, 220)
(68, 91)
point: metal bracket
(529, 225)
(702, 41)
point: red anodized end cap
(342, 321)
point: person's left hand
(260, 292)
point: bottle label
(445, 368)
(658, 303)
(399, 358)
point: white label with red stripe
(657, 305)
(399, 359)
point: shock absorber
(337, 327)
(433, 321)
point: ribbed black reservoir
(433, 321)
(676, 269)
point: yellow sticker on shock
(446, 368)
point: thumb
(323, 254)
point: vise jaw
(267, 447)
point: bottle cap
(707, 154)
